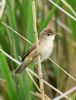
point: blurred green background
(18, 15)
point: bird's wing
(28, 51)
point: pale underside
(45, 48)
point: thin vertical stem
(37, 46)
(2, 6)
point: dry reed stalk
(37, 46)
(2, 6)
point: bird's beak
(56, 33)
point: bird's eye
(48, 34)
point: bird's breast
(46, 49)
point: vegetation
(18, 15)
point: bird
(46, 43)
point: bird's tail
(20, 69)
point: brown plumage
(31, 55)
